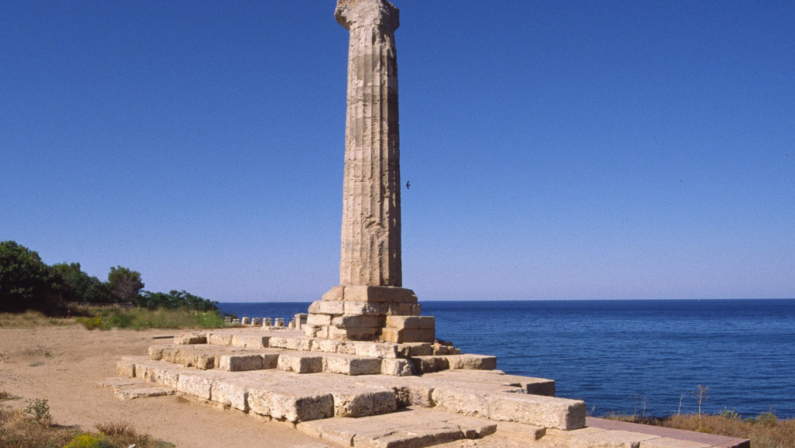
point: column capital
(360, 13)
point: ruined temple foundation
(370, 303)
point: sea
(640, 357)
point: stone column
(370, 252)
(370, 302)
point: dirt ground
(63, 364)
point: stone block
(250, 340)
(350, 365)
(195, 385)
(326, 307)
(373, 349)
(352, 334)
(411, 322)
(408, 335)
(230, 393)
(465, 402)
(143, 391)
(291, 405)
(300, 363)
(519, 432)
(415, 349)
(537, 410)
(241, 362)
(270, 360)
(368, 322)
(191, 338)
(365, 308)
(429, 364)
(378, 294)
(156, 352)
(333, 294)
(404, 309)
(325, 345)
(396, 367)
(472, 362)
(219, 338)
(198, 360)
(611, 439)
(125, 368)
(319, 319)
(291, 343)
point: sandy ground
(63, 365)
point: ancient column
(370, 302)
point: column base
(369, 313)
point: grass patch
(142, 318)
(21, 429)
(30, 319)
(765, 430)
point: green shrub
(38, 410)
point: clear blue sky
(556, 149)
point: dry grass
(19, 431)
(30, 319)
(764, 431)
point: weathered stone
(415, 349)
(326, 307)
(230, 393)
(156, 352)
(318, 320)
(356, 322)
(472, 362)
(333, 294)
(611, 439)
(196, 385)
(352, 334)
(396, 367)
(365, 308)
(325, 345)
(373, 349)
(351, 365)
(219, 339)
(291, 343)
(191, 338)
(125, 368)
(249, 340)
(407, 335)
(430, 364)
(410, 322)
(240, 362)
(292, 405)
(142, 391)
(300, 363)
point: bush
(38, 410)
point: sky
(555, 149)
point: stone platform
(368, 394)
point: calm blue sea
(627, 355)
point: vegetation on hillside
(27, 283)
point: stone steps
(416, 428)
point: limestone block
(319, 319)
(203, 361)
(326, 307)
(348, 365)
(664, 442)
(429, 364)
(219, 338)
(396, 367)
(374, 349)
(522, 433)
(333, 294)
(325, 345)
(415, 349)
(365, 308)
(379, 294)
(465, 402)
(245, 321)
(230, 393)
(440, 350)
(300, 363)
(292, 405)
(403, 309)
(270, 360)
(352, 334)
(291, 343)
(196, 385)
(125, 368)
(250, 340)
(411, 322)
(537, 410)
(408, 335)
(159, 375)
(131, 393)
(472, 362)
(239, 363)
(356, 321)
(156, 352)
(191, 338)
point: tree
(124, 284)
(78, 286)
(26, 282)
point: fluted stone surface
(370, 252)
(370, 286)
